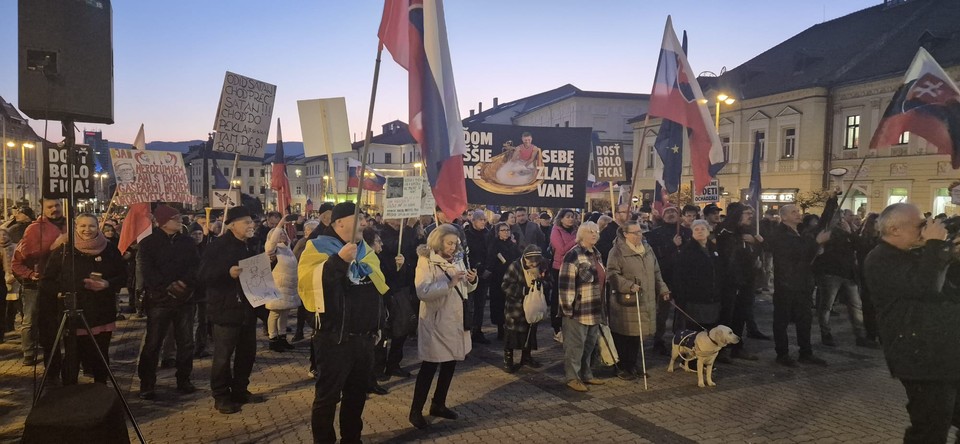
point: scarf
(639, 249)
(93, 246)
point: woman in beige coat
(443, 283)
(632, 270)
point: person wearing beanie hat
(233, 318)
(348, 298)
(666, 241)
(167, 262)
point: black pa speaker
(66, 60)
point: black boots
(508, 365)
(527, 359)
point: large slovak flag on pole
(928, 105)
(677, 96)
(415, 33)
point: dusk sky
(170, 56)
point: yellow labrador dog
(702, 346)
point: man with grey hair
(793, 284)
(919, 314)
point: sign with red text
(149, 176)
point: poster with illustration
(526, 166)
(256, 280)
(148, 176)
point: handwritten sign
(429, 204)
(403, 198)
(148, 176)
(57, 170)
(256, 280)
(609, 161)
(243, 117)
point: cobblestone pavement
(852, 400)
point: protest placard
(428, 204)
(149, 176)
(256, 280)
(526, 166)
(323, 125)
(403, 197)
(57, 169)
(608, 158)
(224, 198)
(243, 117)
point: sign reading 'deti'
(526, 166)
(403, 198)
(609, 160)
(57, 169)
(711, 193)
(256, 280)
(148, 176)
(243, 117)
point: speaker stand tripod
(70, 316)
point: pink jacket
(561, 241)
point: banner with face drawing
(148, 176)
(526, 166)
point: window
(261, 172)
(263, 190)
(896, 195)
(725, 145)
(650, 157)
(566, 123)
(942, 202)
(388, 158)
(251, 189)
(789, 143)
(251, 172)
(226, 171)
(762, 137)
(851, 136)
(239, 172)
(299, 190)
(905, 139)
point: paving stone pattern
(852, 400)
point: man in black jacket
(167, 263)
(477, 234)
(349, 323)
(232, 316)
(530, 233)
(666, 241)
(918, 297)
(793, 284)
(609, 233)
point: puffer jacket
(285, 271)
(440, 333)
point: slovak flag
(928, 105)
(677, 96)
(415, 33)
(373, 182)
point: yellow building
(816, 99)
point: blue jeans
(828, 287)
(159, 320)
(30, 297)
(579, 341)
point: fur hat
(164, 213)
(235, 213)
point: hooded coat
(284, 273)
(440, 333)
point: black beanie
(342, 210)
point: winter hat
(27, 211)
(711, 209)
(342, 210)
(195, 227)
(235, 213)
(164, 213)
(324, 207)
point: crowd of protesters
(366, 286)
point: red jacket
(562, 241)
(30, 257)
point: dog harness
(686, 338)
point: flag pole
(366, 139)
(613, 203)
(233, 174)
(636, 164)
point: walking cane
(643, 357)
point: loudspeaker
(66, 60)
(80, 413)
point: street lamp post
(23, 165)
(5, 146)
(725, 99)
